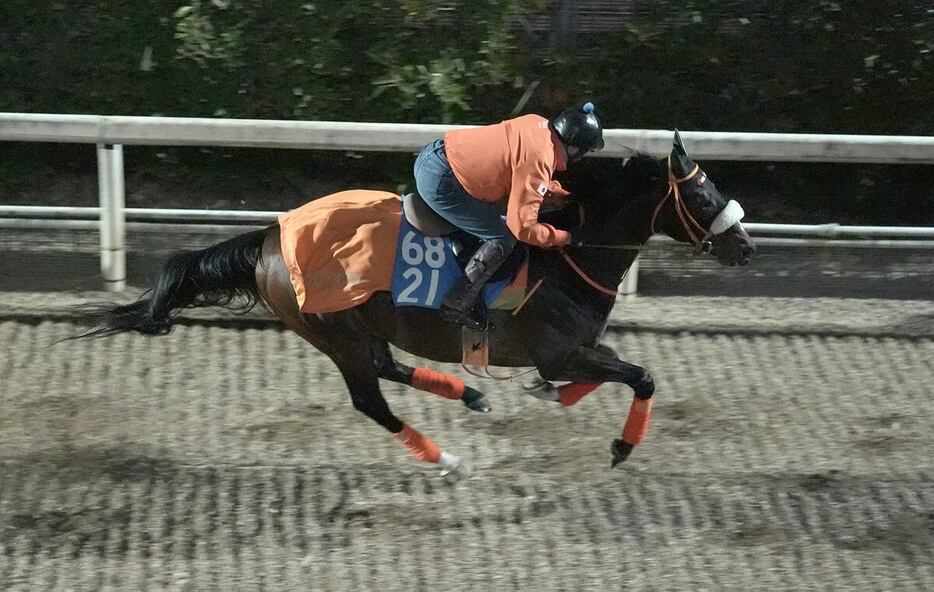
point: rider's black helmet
(579, 126)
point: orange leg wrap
(445, 385)
(637, 424)
(570, 394)
(423, 448)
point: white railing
(110, 133)
(401, 137)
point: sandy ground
(790, 450)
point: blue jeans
(441, 190)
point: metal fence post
(630, 279)
(113, 216)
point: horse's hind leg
(438, 383)
(363, 383)
(340, 336)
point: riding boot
(459, 304)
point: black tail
(222, 275)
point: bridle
(728, 216)
(688, 221)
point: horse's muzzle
(733, 247)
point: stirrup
(475, 346)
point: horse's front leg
(587, 369)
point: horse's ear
(681, 163)
(679, 144)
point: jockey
(463, 175)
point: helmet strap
(578, 154)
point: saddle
(424, 219)
(475, 344)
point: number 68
(413, 253)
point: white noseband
(728, 216)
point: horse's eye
(700, 180)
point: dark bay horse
(558, 331)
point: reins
(683, 215)
(583, 275)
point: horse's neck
(627, 230)
(605, 266)
(602, 266)
(616, 220)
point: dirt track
(790, 449)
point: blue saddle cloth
(427, 267)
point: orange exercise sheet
(340, 248)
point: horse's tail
(221, 275)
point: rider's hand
(577, 237)
(556, 193)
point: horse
(557, 331)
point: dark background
(809, 67)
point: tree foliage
(704, 64)
(744, 65)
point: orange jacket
(513, 158)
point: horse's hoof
(621, 451)
(540, 388)
(453, 468)
(476, 401)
